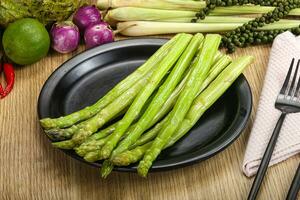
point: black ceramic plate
(85, 78)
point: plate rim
(72, 62)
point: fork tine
(298, 86)
(294, 80)
(287, 79)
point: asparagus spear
(106, 168)
(214, 72)
(221, 61)
(92, 143)
(91, 149)
(103, 133)
(162, 95)
(202, 103)
(131, 156)
(198, 75)
(90, 146)
(138, 153)
(149, 135)
(88, 127)
(95, 141)
(120, 88)
(210, 95)
(145, 93)
(61, 133)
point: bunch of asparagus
(162, 101)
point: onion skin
(98, 34)
(65, 37)
(86, 16)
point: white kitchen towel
(285, 47)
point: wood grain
(30, 168)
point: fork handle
(295, 186)
(266, 159)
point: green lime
(26, 41)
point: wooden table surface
(30, 168)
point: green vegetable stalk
(159, 15)
(90, 126)
(120, 88)
(160, 4)
(207, 98)
(162, 95)
(145, 93)
(210, 95)
(214, 72)
(131, 156)
(90, 149)
(196, 78)
(143, 28)
(92, 144)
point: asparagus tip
(142, 170)
(106, 168)
(67, 144)
(79, 151)
(46, 123)
(120, 160)
(56, 135)
(92, 156)
(105, 153)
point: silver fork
(287, 102)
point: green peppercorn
(250, 40)
(264, 39)
(229, 3)
(297, 30)
(230, 45)
(270, 38)
(231, 50)
(257, 41)
(212, 6)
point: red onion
(98, 34)
(65, 37)
(85, 16)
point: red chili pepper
(9, 77)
